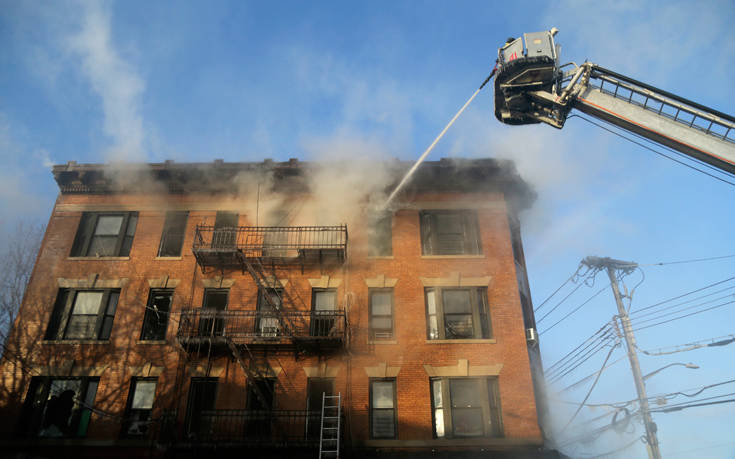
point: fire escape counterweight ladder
(330, 426)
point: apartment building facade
(180, 308)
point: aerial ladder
(532, 87)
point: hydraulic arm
(531, 87)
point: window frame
(33, 414)
(265, 316)
(321, 320)
(63, 312)
(492, 418)
(432, 240)
(371, 408)
(173, 226)
(88, 224)
(371, 329)
(380, 234)
(131, 414)
(150, 314)
(480, 312)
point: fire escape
(281, 323)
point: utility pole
(612, 266)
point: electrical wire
(721, 341)
(588, 377)
(646, 314)
(695, 260)
(615, 451)
(639, 321)
(683, 295)
(560, 302)
(575, 309)
(588, 356)
(692, 405)
(557, 290)
(685, 316)
(654, 150)
(603, 330)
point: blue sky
(149, 81)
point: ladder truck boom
(532, 87)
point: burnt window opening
(58, 407)
(225, 230)
(457, 313)
(139, 408)
(381, 313)
(212, 323)
(172, 237)
(449, 232)
(316, 389)
(380, 234)
(83, 314)
(466, 407)
(103, 234)
(155, 320)
(267, 323)
(383, 413)
(323, 312)
(199, 407)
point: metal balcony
(234, 246)
(261, 328)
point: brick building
(175, 308)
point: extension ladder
(330, 426)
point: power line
(601, 330)
(560, 302)
(683, 295)
(686, 315)
(575, 309)
(639, 321)
(586, 378)
(692, 405)
(694, 260)
(555, 291)
(683, 303)
(565, 361)
(588, 356)
(721, 341)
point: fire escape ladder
(330, 426)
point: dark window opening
(172, 237)
(105, 234)
(457, 313)
(449, 232)
(212, 322)
(466, 407)
(155, 320)
(199, 416)
(267, 323)
(316, 388)
(381, 313)
(323, 308)
(383, 416)
(139, 408)
(225, 230)
(83, 314)
(58, 407)
(260, 403)
(380, 234)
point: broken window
(172, 237)
(155, 320)
(466, 407)
(58, 407)
(83, 314)
(380, 234)
(381, 313)
(139, 407)
(212, 322)
(449, 232)
(457, 313)
(200, 407)
(102, 234)
(225, 230)
(383, 408)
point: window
(155, 320)
(83, 314)
(58, 407)
(172, 238)
(449, 232)
(323, 308)
(260, 401)
(140, 406)
(269, 305)
(212, 323)
(202, 396)
(381, 313)
(457, 313)
(316, 388)
(466, 407)
(105, 234)
(383, 408)
(225, 230)
(380, 234)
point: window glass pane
(467, 422)
(381, 323)
(81, 327)
(458, 326)
(132, 221)
(112, 303)
(436, 388)
(143, 396)
(325, 300)
(433, 328)
(465, 393)
(383, 425)
(431, 301)
(108, 225)
(103, 246)
(380, 302)
(456, 301)
(439, 422)
(449, 223)
(382, 394)
(87, 303)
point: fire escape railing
(251, 327)
(269, 244)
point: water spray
(433, 144)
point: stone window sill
(167, 258)
(462, 341)
(75, 341)
(152, 341)
(383, 341)
(99, 258)
(381, 257)
(434, 257)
